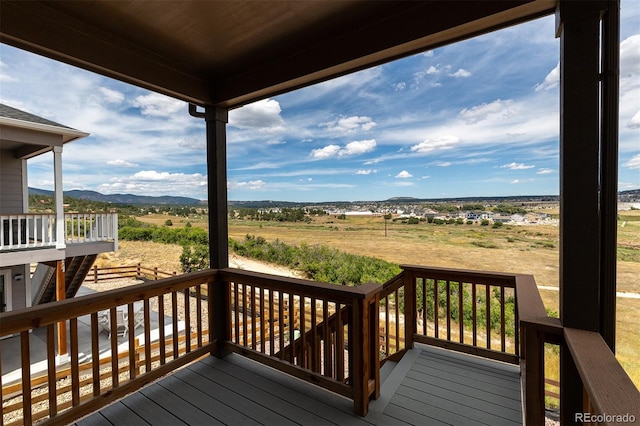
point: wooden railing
(315, 331)
(133, 271)
(176, 305)
(467, 311)
(333, 336)
(31, 230)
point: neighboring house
(70, 241)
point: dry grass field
(518, 249)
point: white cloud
(263, 115)
(428, 53)
(358, 147)
(432, 70)
(366, 172)
(443, 164)
(350, 124)
(630, 56)
(326, 152)
(121, 163)
(545, 171)
(634, 123)
(250, 185)
(436, 144)
(400, 86)
(634, 162)
(111, 96)
(352, 148)
(151, 182)
(515, 181)
(157, 105)
(497, 108)
(461, 73)
(551, 80)
(517, 166)
(404, 175)
(6, 78)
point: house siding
(11, 201)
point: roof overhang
(27, 139)
(229, 53)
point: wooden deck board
(439, 388)
(456, 390)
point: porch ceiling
(229, 53)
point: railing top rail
(465, 275)
(297, 285)
(49, 313)
(610, 389)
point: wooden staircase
(76, 270)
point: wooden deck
(429, 386)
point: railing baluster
(187, 319)
(175, 321)
(460, 311)
(327, 338)
(502, 328)
(75, 371)
(488, 312)
(147, 333)
(199, 313)
(396, 318)
(474, 314)
(448, 287)
(51, 371)
(424, 305)
(339, 344)
(272, 338)
(252, 299)
(386, 325)
(303, 333)
(292, 328)
(314, 353)
(161, 334)
(244, 314)
(114, 347)
(26, 377)
(262, 320)
(95, 354)
(131, 340)
(436, 309)
(281, 347)
(236, 312)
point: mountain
(122, 198)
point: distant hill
(122, 198)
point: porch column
(59, 196)
(582, 243)
(216, 119)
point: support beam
(59, 197)
(60, 295)
(609, 172)
(216, 119)
(581, 239)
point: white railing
(30, 230)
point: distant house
(501, 217)
(54, 241)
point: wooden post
(609, 171)
(409, 309)
(60, 295)
(581, 249)
(361, 355)
(532, 367)
(216, 119)
(95, 273)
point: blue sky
(477, 118)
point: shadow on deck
(428, 386)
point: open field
(519, 249)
